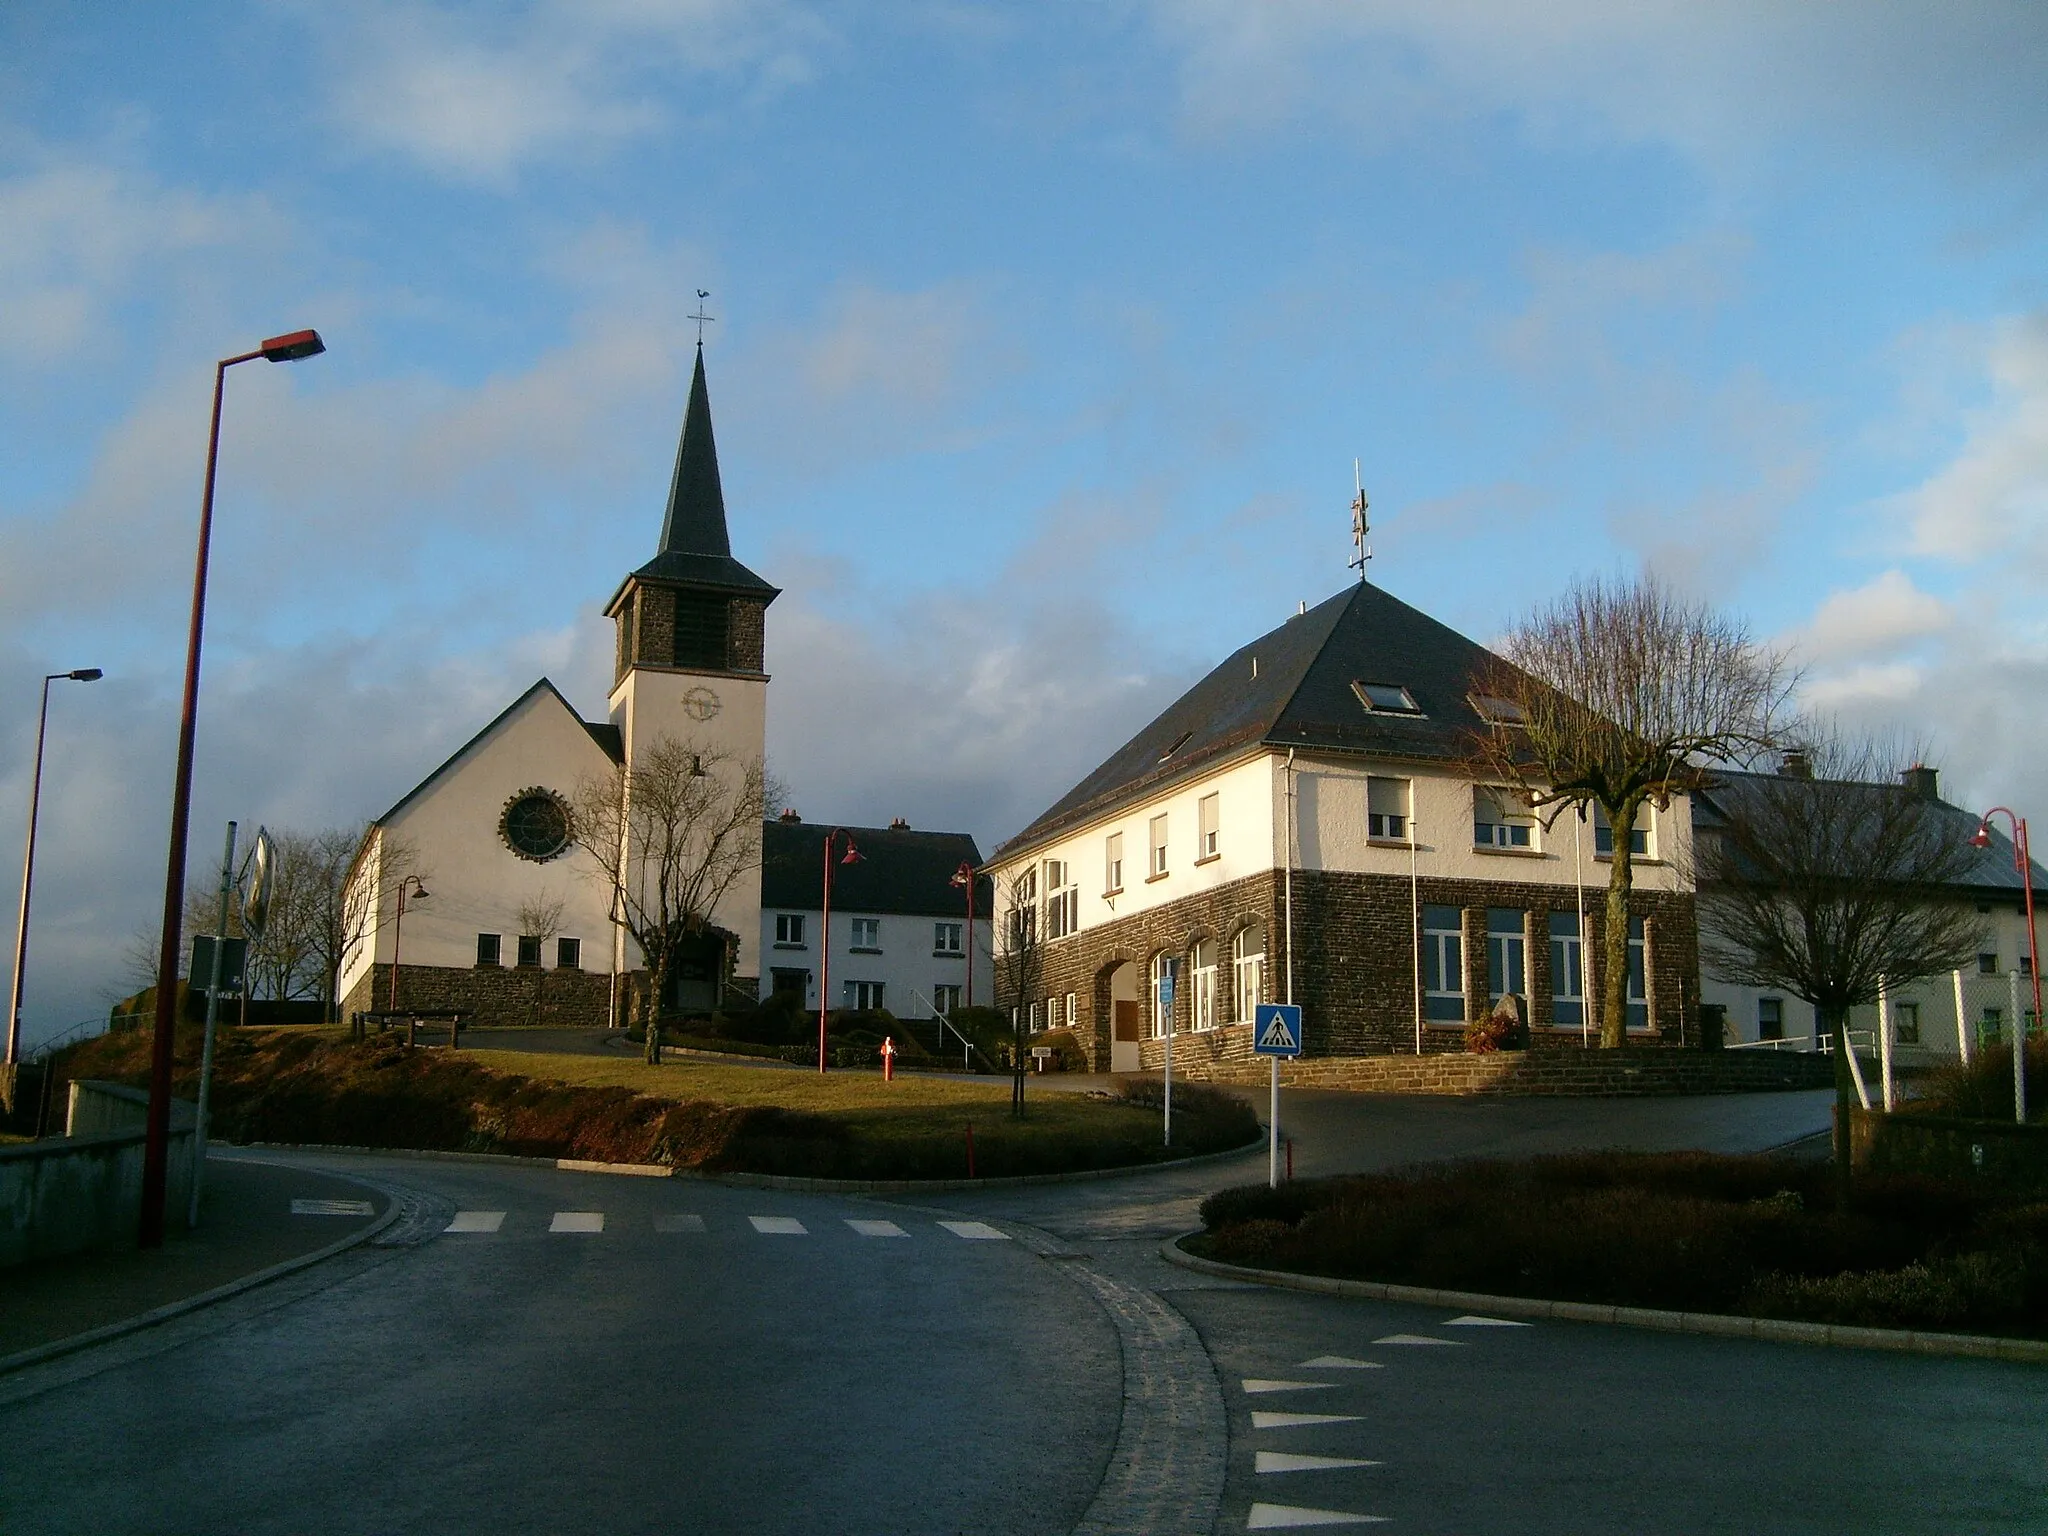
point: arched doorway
(1126, 1009)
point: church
(474, 894)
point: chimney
(789, 817)
(1922, 781)
(1796, 764)
(898, 824)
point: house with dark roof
(1303, 825)
(899, 934)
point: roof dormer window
(1178, 742)
(1495, 710)
(1385, 698)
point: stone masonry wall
(491, 994)
(1225, 1056)
(746, 625)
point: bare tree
(1619, 695)
(1019, 965)
(1820, 882)
(671, 835)
(540, 919)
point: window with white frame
(1506, 954)
(1248, 971)
(1208, 811)
(789, 930)
(1500, 819)
(867, 933)
(945, 996)
(1162, 989)
(863, 995)
(1906, 1023)
(1638, 836)
(1770, 1018)
(946, 938)
(1031, 1023)
(1443, 964)
(1385, 698)
(1158, 865)
(1202, 985)
(1386, 809)
(1638, 992)
(1567, 970)
(1070, 1010)
(1113, 864)
(1062, 899)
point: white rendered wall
(907, 966)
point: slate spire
(695, 524)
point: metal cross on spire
(1360, 527)
(700, 317)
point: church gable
(537, 735)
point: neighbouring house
(1302, 824)
(1943, 1016)
(899, 936)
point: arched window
(1162, 1010)
(1248, 971)
(1202, 992)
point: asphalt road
(528, 1376)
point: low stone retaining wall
(84, 1189)
(1999, 1151)
(1565, 1074)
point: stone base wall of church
(492, 995)
(1354, 963)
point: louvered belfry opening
(703, 630)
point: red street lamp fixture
(850, 856)
(157, 1141)
(419, 893)
(2023, 861)
(964, 876)
(28, 859)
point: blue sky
(1046, 337)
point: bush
(1067, 1053)
(1206, 1116)
(1500, 1030)
(1983, 1089)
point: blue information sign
(1276, 1029)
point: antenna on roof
(700, 317)
(1360, 527)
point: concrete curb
(163, 1314)
(1772, 1330)
(505, 1159)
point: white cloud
(1992, 496)
(1883, 616)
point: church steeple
(695, 524)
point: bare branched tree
(358, 900)
(1618, 695)
(671, 836)
(1830, 879)
(1019, 965)
(540, 918)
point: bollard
(888, 1058)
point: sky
(1045, 340)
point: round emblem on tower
(700, 703)
(536, 825)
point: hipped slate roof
(1301, 696)
(695, 547)
(899, 871)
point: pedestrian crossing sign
(1276, 1029)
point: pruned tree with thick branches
(540, 919)
(1831, 880)
(1019, 964)
(670, 836)
(1621, 694)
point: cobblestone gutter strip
(1774, 1330)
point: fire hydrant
(888, 1058)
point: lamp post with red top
(157, 1137)
(964, 875)
(851, 855)
(2023, 860)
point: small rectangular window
(1991, 1026)
(1906, 1023)
(1386, 809)
(1567, 970)
(1987, 962)
(1113, 864)
(1500, 819)
(1386, 698)
(867, 934)
(862, 995)
(487, 949)
(789, 929)
(1770, 1018)
(529, 949)
(1495, 710)
(569, 954)
(1506, 954)
(1638, 836)
(1443, 964)
(1158, 845)
(946, 938)
(945, 996)
(1207, 808)
(1070, 1010)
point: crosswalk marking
(1256, 1385)
(577, 1221)
(679, 1223)
(1415, 1338)
(333, 1208)
(1277, 1517)
(1289, 1461)
(975, 1231)
(476, 1221)
(1341, 1363)
(1483, 1322)
(779, 1226)
(1295, 1420)
(876, 1228)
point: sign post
(1166, 1009)
(1276, 1032)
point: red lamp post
(419, 893)
(157, 1140)
(850, 856)
(964, 875)
(28, 859)
(2023, 860)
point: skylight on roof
(1495, 710)
(1385, 698)
(1178, 742)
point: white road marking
(1288, 1461)
(1484, 1322)
(1415, 1338)
(1279, 1517)
(1254, 1384)
(876, 1228)
(780, 1226)
(1294, 1420)
(1341, 1363)
(333, 1208)
(476, 1221)
(975, 1231)
(577, 1221)
(679, 1223)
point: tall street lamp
(2023, 860)
(850, 856)
(964, 875)
(419, 893)
(28, 859)
(157, 1142)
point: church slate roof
(899, 871)
(1301, 696)
(695, 546)
(607, 738)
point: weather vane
(1359, 526)
(700, 317)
